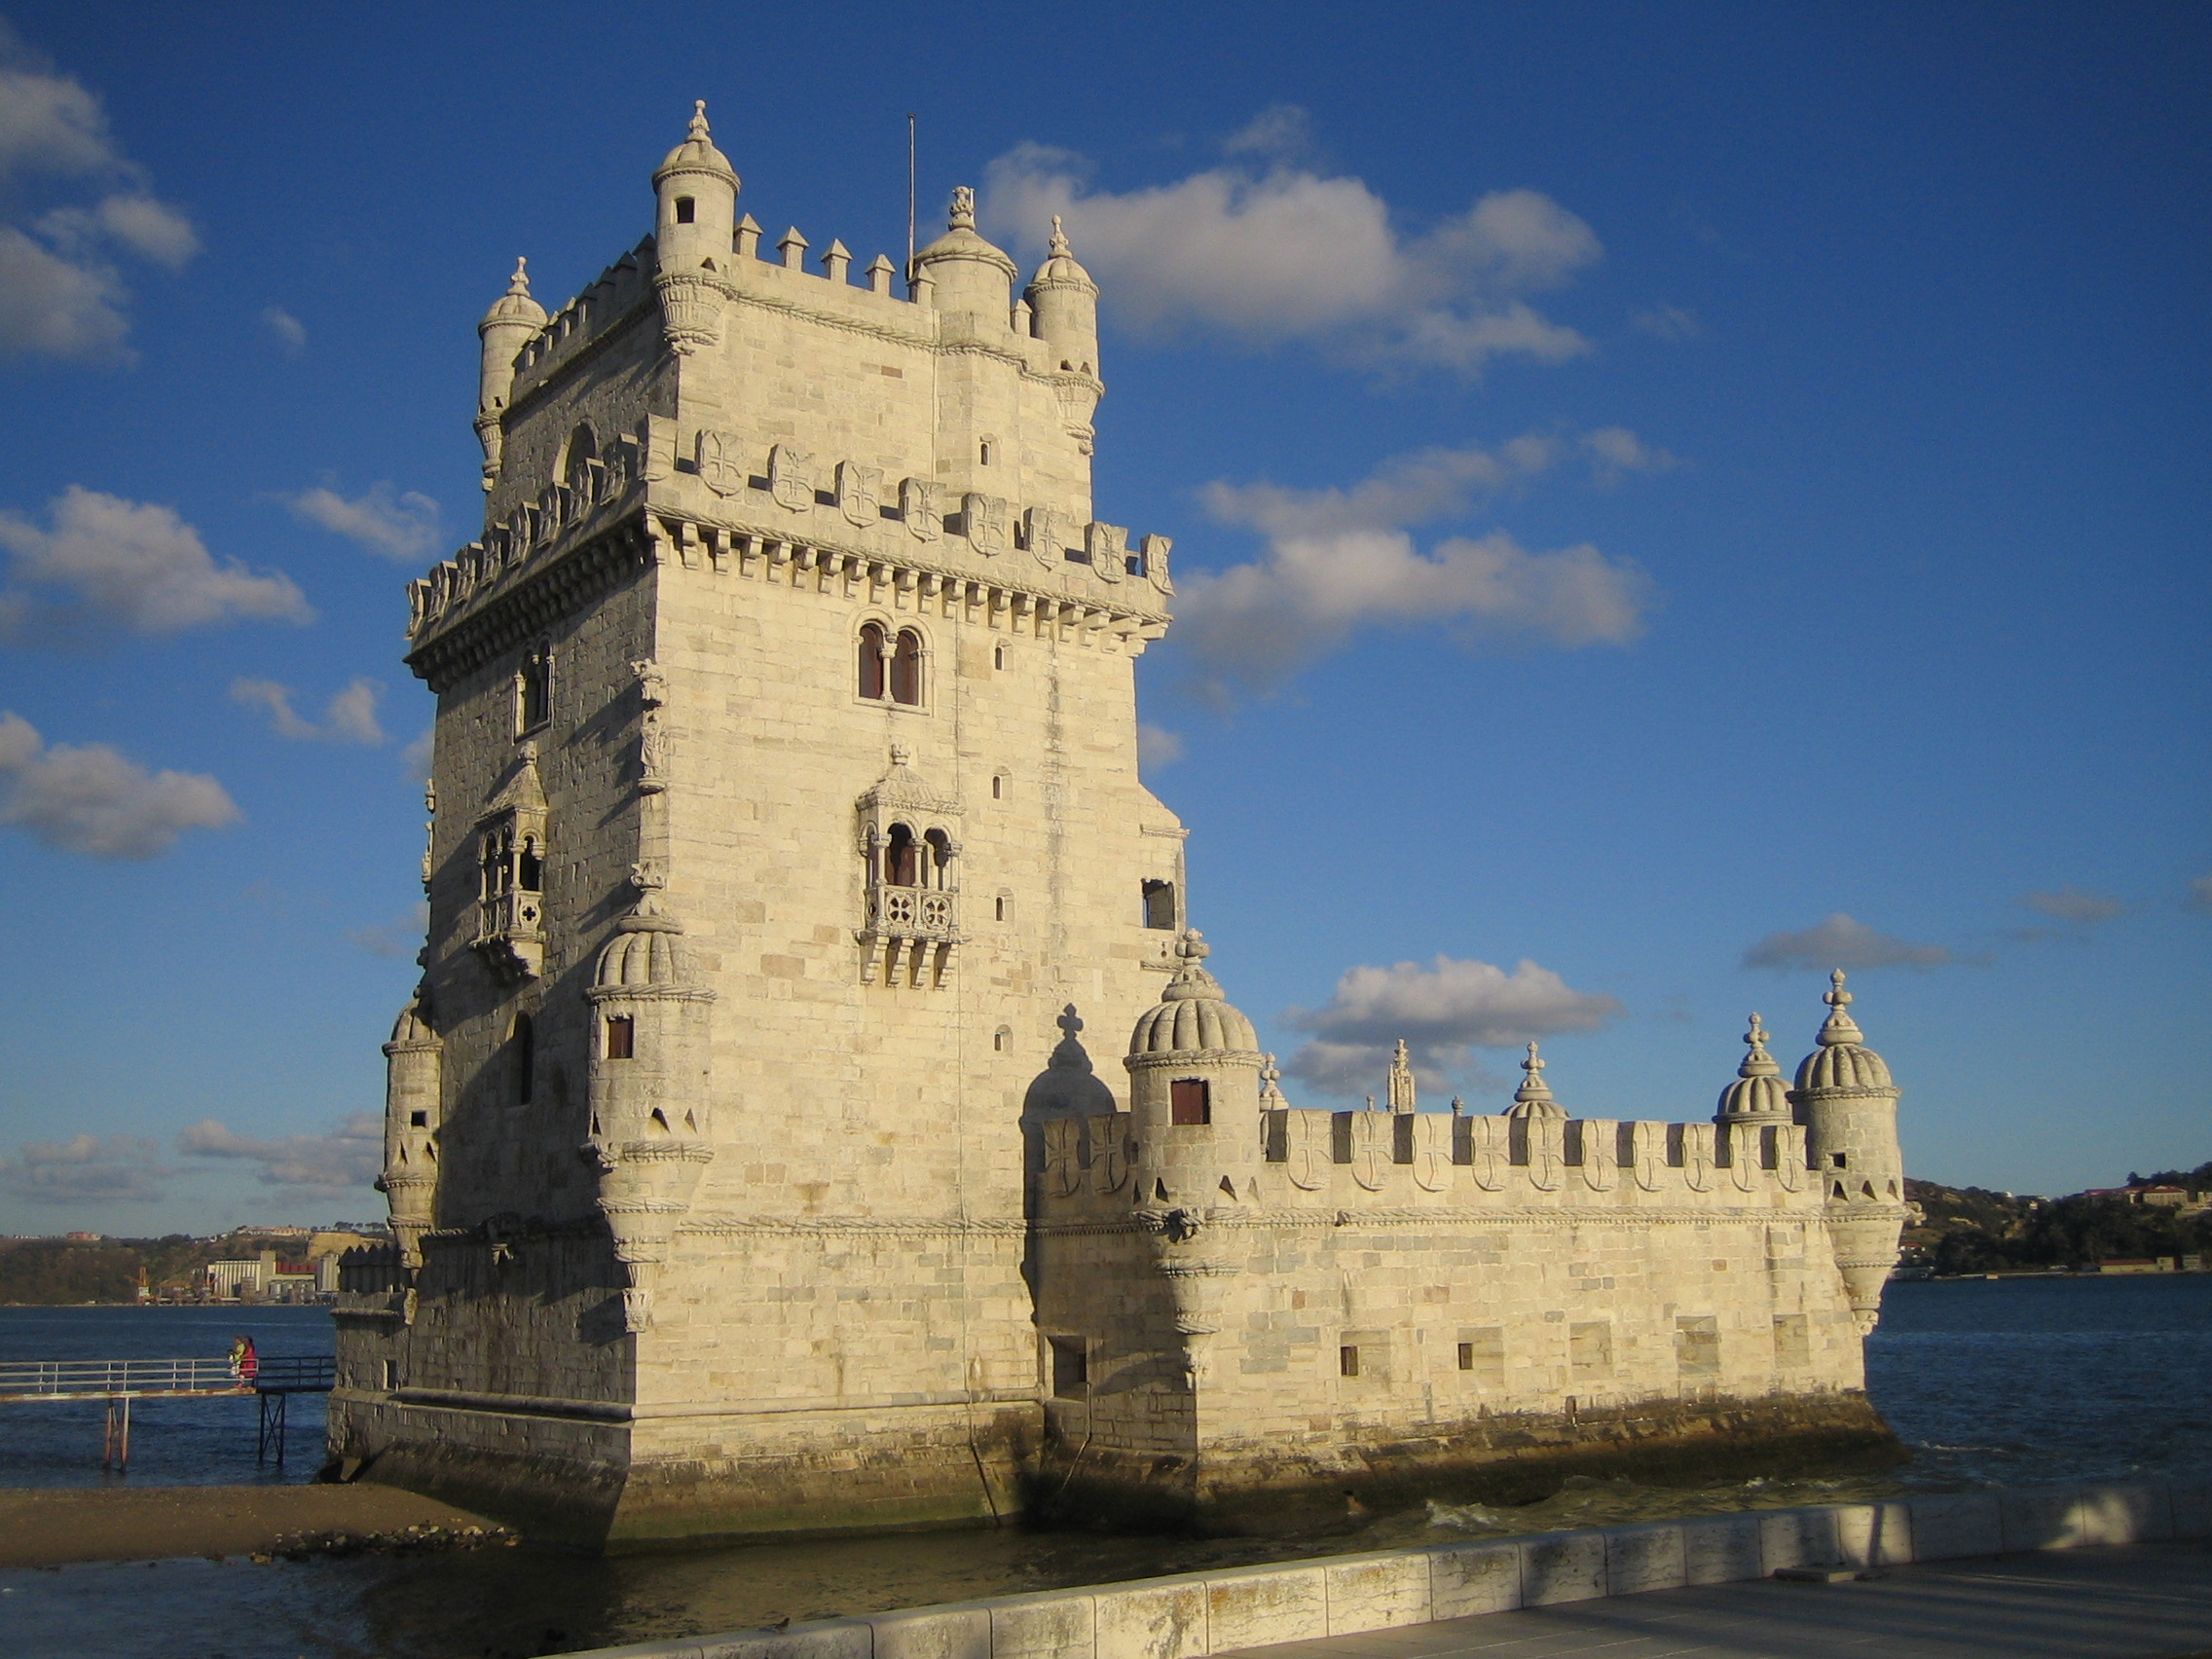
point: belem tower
(747, 1161)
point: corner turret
(694, 233)
(968, 280)
(1847, 1104)
(1759, 1094)
(512, 322)
(413, 1108)
(1063, 305)
(1534, 1098)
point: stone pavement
(2131, 1602)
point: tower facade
(786, 781)
(747, 1167)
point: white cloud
(398, 525)
(86, 1169)
(1616, 452)
(1441, 1011)
(1339, 560)
(1157, 745)
(2071, 904)
(342, 1161)
(1669, 322)
(416, 757)
(1279, 132)
(88, 798)
(287, 330)
(1841, 942)
(140, 565)
(59, 297)
(350, 717)
(1286, 253)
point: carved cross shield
(1371, 1149)
(857, 486)
(791, 477)
(1108, 545)
(985, 519)
(922, 502)
(721, 468)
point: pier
(271, 1383)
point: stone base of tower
(643, 1485)
(1509, 1458)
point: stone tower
(1849, 1107)
(788, 813)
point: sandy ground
(50, 1528)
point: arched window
(871, 662)
(902, 859)
(529, 868)
(907, 668)
(576, 467)
(940, 861)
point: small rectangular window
(621, 1037)
(1482, 1354)
(1189, 1101)
(418, 1120)
(684, 210)
(1348, 1360)
(1467, 1356)
(1839, 1160)
(1071, 1368)
(1160, 905)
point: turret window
(684, 210)
(621, 1037)
(1189, 1101)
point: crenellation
(788, 805)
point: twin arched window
(916, 861)
(890, 669)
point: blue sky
(1648, 482)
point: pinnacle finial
(1059, 239)
(519, 282)
(698, 118)
(1191, 948)
(1069, 1022)
(1757, 1062)
(963, 217)
(1840, 1027)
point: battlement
(1387, 1160)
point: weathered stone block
(1060, 1625)
(1467, 1579)
(1256, 1605)
(952, 1632)
(1162, 1618)
(1721, 1549)
(1644, 1558)
(828, 1638)
(1956, 1523)
(1873, 1534)
(1561, 1567)
(1797, 1538)
(2039, 1518)
(2190, 1500)
(2139, 1512)
(1378, 1592)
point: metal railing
(31, 1379)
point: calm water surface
(1991, 1382)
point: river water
(2001, 1383)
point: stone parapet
(1192, 1615)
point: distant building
(2163, 1198)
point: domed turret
(1847, 1104)
(967, 276)
(512, 322)
(414, 1062)
(651, 1136)
(695, 232)
(1193, 1089)
(1534, 1098)
(1063, 303)
(1759, 1094)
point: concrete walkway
(2132, 1602)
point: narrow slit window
(1467, 1356)
(1189, 1101)
(522, 1049)
(533, 690)
(1348, 1360)
(621, 1037)
(998, 656)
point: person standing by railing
(245, 1364)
